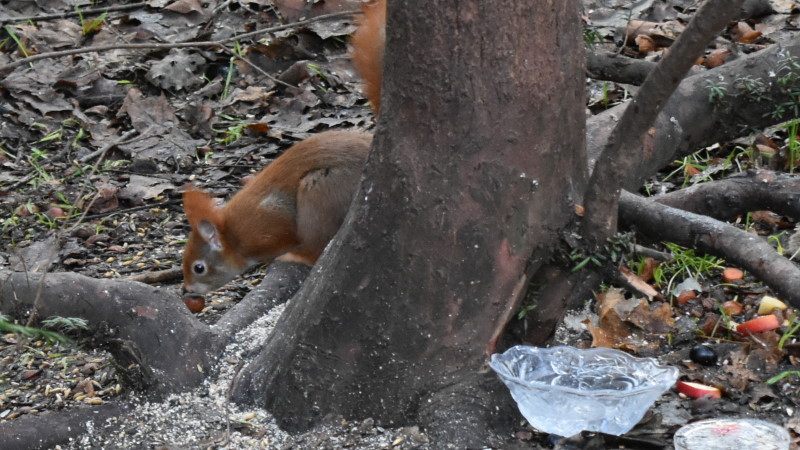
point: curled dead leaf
(716, 58)
(662, 34)
(744, 33)
(646, 44)
(639, 284)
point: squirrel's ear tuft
(199, 205)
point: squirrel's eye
(199, 268)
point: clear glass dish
(565, 390)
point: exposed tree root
(689, 121)
(610, 66)
(747, 250)
(140, 324)
(47, 430)
(754, 190)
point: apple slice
(697, 390)
(768, 303)
(759, 324)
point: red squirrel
(293, 207)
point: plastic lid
(725, 434)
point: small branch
(256, 68)
(625, 142)
(611, 66)
(84, 12)
(101, 152)
(158, 276)
(652, 253)
(708, 235)
(103, 48)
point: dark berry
(703, 354)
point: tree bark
(471, 173)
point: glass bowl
(565, 390)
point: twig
(23, 180)
(652, 253)
(103, 48)
(101, 152)
(627, 138)
(256, 68)
(158, 276)
(84, 12)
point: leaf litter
(172, 102)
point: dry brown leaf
(608, 300)
(659, 320)
(716, 58)
(649, 269)
(258, 127)
(765, 358)
(619, 319)
(646, 44)
(611, 330)
(741, 376)
(770, 219)
(105, 199)
(188, 6)
(639, 284)
(147, 113)
(662, 34)
(744, 33)
(141, 187)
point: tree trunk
(476, 166)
